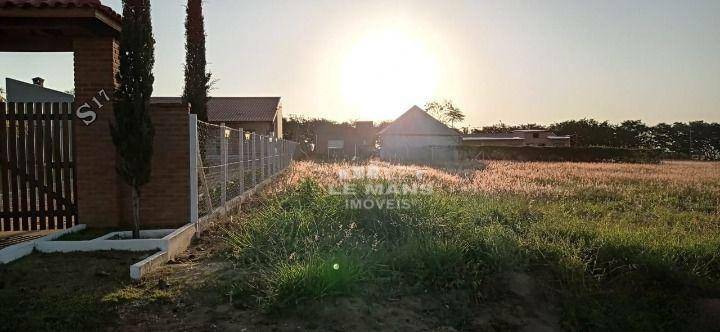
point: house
(346, 141)
(524, 137)
(22, 92)
(261, 115)
(417, 136)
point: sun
(386, 73)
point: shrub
(294, 283)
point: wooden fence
(37, 169)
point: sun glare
(386, 73)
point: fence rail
(229, 162)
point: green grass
(630, 257)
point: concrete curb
(180, 239)
(174, 241)
(102, 243)
(20, 250)
(148, 265)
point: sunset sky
(509, 61)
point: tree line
(678, 140)
(695, 138)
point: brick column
(96, 62)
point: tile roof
(41, 4)
(235, 109)
(231, 109)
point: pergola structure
(53, 25)
(90, 30)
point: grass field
(509, 246)
(616, 246)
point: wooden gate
(37, 169)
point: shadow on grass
(73, 291)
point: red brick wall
(96, 62)
(104, 200)
(165, 199)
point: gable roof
(19, 91)
(235, 109)
(230, 109)
(417, 122)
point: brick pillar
(96, 62)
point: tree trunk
(136, 213)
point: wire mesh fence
(231, 161)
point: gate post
(224, 161)
(241, 159)
(253, 161)
(263, 149)
(96, 61)
(193, 132)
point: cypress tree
(197, 80)
(132, 132)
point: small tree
(445, 111)
(435, 109)
(454, 114)
(197, 80)
(133, 132)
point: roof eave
(74, 12)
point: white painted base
(145, 266)
(169, 242)
(20, 250)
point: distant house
(261, 115)
(526, 137)
(22, 92)
(417, 136)
(346, 141)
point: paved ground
(10, 238)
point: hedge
(576, 154)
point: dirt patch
(515, 301)
(520, 303)
(709, 315)
(63, 291)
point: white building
(417, 136)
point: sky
(499, 61)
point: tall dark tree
(197, 80)
(132, 132)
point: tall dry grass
(528, 178)
(617, 238)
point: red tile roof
(41, 4)
(236, 109)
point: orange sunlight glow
(385, 73)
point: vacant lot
(507, 247)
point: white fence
(230, 162)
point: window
(536, 135)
